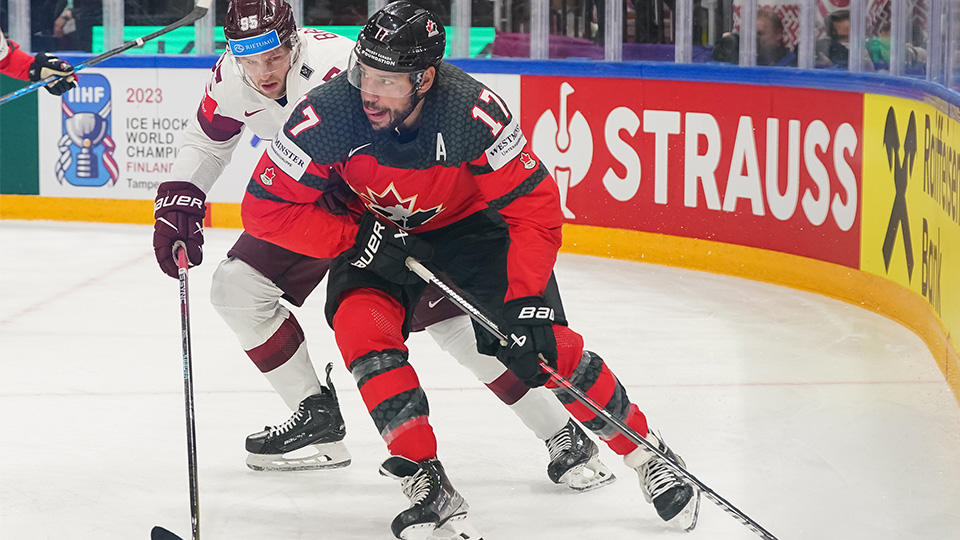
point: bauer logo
(86, 146)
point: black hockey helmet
(249, 25)
(401, 38)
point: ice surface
(816, 418)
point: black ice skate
(436, 510)
(311, 439)
(677, 502)
(574, 460)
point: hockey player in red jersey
(446, 175)
(20, 65)
(255, 85)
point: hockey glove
(45, 65)
(383, 249)
(530, 335)
(179, 211)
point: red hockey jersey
(468, 153)
(13, 61)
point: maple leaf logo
(402, 211)
(267, 176)
(431, 28)
(527, 160)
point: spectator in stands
(879, 49)
(834, 50)
(771, 49)
(74, 24)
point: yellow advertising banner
(911, 200)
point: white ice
(816, 418)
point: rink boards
(841, 184)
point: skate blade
(588, 476)
(457, 527)
(687, 518)
(313, 457)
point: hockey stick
(199, 10)
(159, 533)
(487, 322)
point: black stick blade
(159, 533)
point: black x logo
(901, 173)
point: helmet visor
(382, 83)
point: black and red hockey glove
(45, 65)
(383, 249)
(529, 330)
(179, 211)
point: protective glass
(382, 83)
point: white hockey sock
(295, 379)
(250, 305)
(537, 408)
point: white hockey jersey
(229, 105)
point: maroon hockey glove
(45, 65)
(530, 335)
(383, 249)
(179, 212)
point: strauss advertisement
(768, 167)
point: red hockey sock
(367, 326)
(595, 379)
(569, 351)
(368, 320)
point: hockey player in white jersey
(269, 65)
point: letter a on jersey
(441, 148)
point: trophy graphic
(86, 146)
(86, 130)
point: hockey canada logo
(527, 160)
(403, 212)
(565, 144)
(267, 176)
(86, 147)
(432, 28)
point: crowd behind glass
(912, 38)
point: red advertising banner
(768, 167)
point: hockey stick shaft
(487, 322)
(182, 265)
(159, 533)
(199, 10)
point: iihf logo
(86, 148)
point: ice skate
(676, 501)
(311, 439)
(436, 510)
(575, 460)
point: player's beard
(395, 117)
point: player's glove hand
(383, 249)
(45, 65)
(179, 211)
(529, 329)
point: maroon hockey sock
(279, 347)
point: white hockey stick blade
(199, 10)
